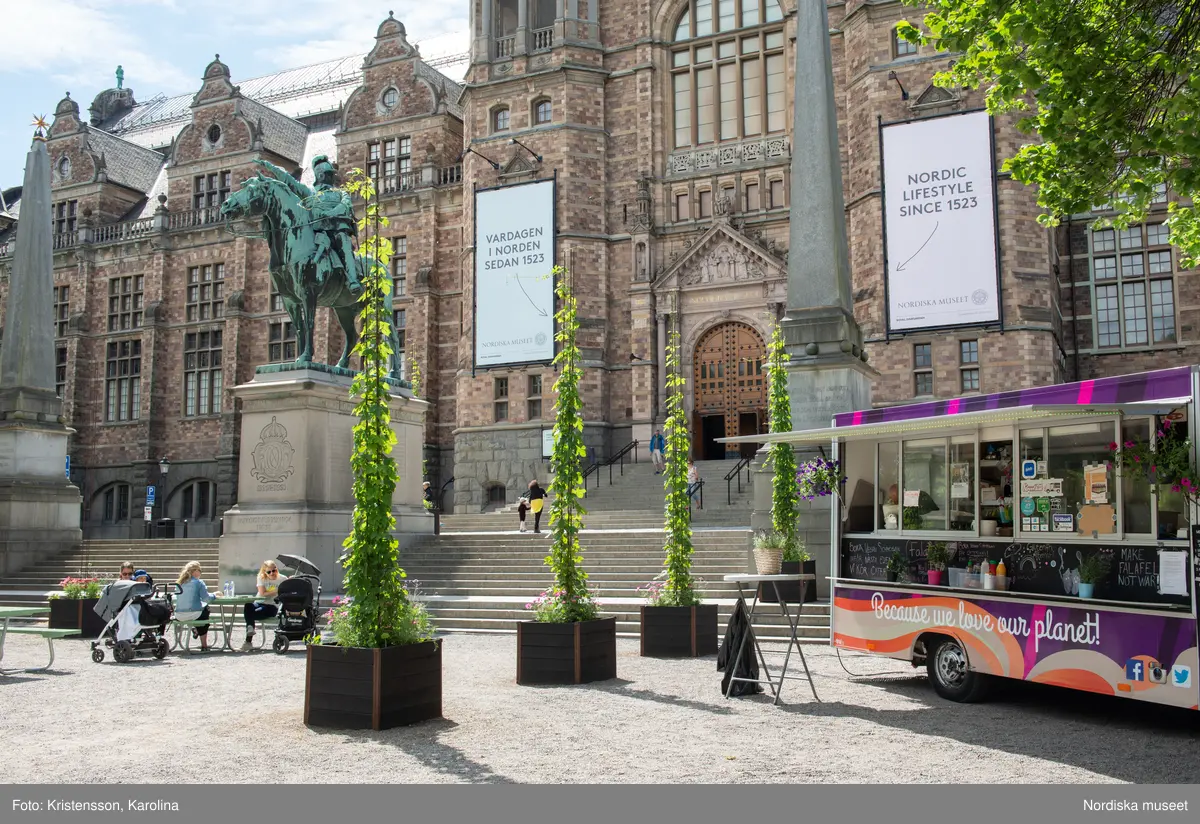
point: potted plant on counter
(1092, 570)
(567, 642)
(769, 546)
(384, 669)
(796, 561)
(897, 570)
(937, 555)
(75, 607)
(674, 622)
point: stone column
(661, 355)
(39, 507)
(486, 31)
(521, 46)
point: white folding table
(775, 682)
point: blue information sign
(150, 495)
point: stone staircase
(634, 500)
(163, 559)
(481, 582)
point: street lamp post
(163, 466)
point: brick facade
(639, 266)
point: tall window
(1133, 277)
(900, 46)
(116, 504)
(62, 310)
(923, 369)
(210, 189)
(206, 292)
(534, 398)
(500, 399)
(198, 500)
(64, 216)
(543, 112)
(389, 163)
(704, 203)
(968, 353)
(125, 303)
(202, 373)
(281, 341)
(776, 193)
(682, 210)
(400, 326)
(123, 381)
(399, 267)
(60, 371)
(729, 83)
(752, 198)
(500, 120)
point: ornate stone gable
(723, 255)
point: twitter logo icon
(1181, 675)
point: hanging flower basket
(819, 478)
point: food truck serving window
(1065, 480)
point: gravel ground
(232, 718)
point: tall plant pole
(781, 457)
(680, 587)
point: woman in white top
(268, 587)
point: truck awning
(966, 420)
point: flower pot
(576, 653)
(358, 688)
(679, 632)
(76, 613)
(768, 561)
(935, 577)
(1086, 590)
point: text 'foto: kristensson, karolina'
(1127, 805)
(70, 805)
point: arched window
(729, 80)
(197, 501)
(500, 120)
(112, 503)
(543, 112)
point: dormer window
(390, 97)
(500, 120)
(214, 133)
(64, 167)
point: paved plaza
(236, 718)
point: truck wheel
(950, 675)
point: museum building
(666, 126)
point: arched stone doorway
(730, 390)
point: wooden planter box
(76, 613)
(790, 590)
(674, 632)
(356, 688)
(577, 653)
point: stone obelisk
(39, 507)
(827, 373)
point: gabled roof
(721, 255)
(126, 163)
(280, 134)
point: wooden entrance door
(729, 379)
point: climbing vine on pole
(780, 456)
(680, 587)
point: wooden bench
(49, 634)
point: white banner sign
(939, 219)
(514, 289)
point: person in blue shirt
(192, 602)
(658, 448)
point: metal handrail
(700, 489)
(619, 457)
(736, 472)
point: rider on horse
(333, 222)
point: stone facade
(655, 237)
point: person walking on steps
(536, 501)
(522, 508)
(658, 448)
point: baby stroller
(137, 614)
(297, 598)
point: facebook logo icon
(1134, 670)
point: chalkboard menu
(1034, 568)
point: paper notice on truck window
(1172, 572)
(1095, 484)
(912, 497)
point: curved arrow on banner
(536, 308)
(900, 268)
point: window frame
(123, 381)
(203, 373)
(495, 118)
(1125, 275)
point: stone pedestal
(295, 486)
(39, 507)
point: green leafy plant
(1111, 90)
(937, 554)
(897, 569)
(77, 588)
(1165, 462)
(796, 551)
(912, 518)
(379, 611)
(1094, 568)
(781, 456)
(679, 589)
(569, 600)
(771, 539)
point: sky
(55, 46)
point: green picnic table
(223, 611)
(8, 613)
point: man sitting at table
(268, 588)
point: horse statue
(288, 226)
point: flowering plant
(1167, 462)
(657, 593)
(559, 606)
(411, 624)
(818, 478)
(76, 588)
